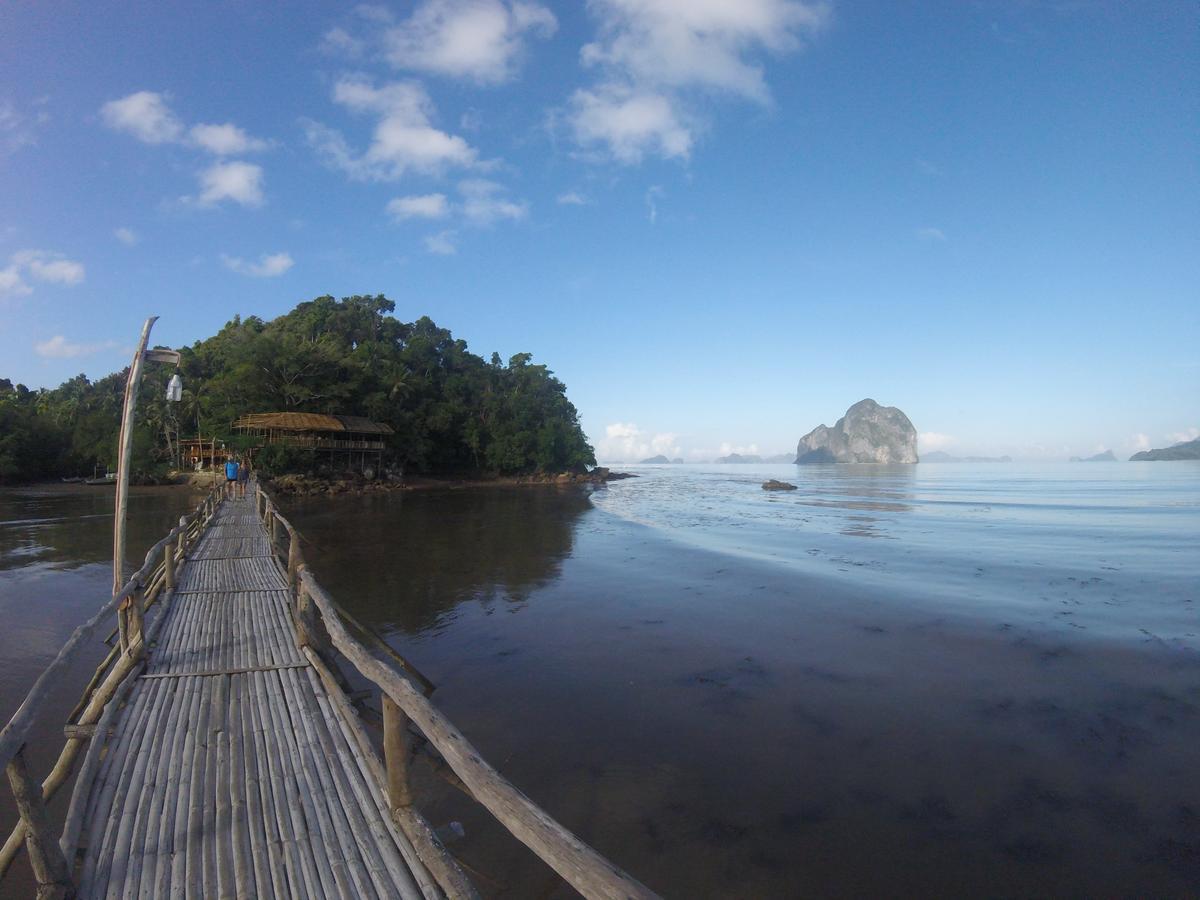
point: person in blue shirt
(231, 475)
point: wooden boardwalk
(224, 760)
(228, 773)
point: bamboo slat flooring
(228, 772)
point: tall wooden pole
(124, 453)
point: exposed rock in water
(774, 485)
(1106, 456)
(1186, 450)
(867, 433)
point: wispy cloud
(240, 182)
(147, 116)
(441, 244)
(1182, 437)
(38, 265)
(931, 234)
(268, 266)
(572, 198)
(627, 442)
(652, 55)
(405, 139)
(652, 194)
(481, 40)
(484, 202)
(58, 347)
(18, 129)
(126, 236)
(225, 140)
(144, 114)
(422, 206)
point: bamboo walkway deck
(228, 772)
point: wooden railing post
(131, 619)
(169, 567)
(274, 529)
(293, 559)
(395, 753)
(49, 865)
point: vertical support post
(132, 620)
(395, 753)
(49, 865)
(293, 560)
(169, 567)
(274, 530)
(125, 453)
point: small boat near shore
(110, 478)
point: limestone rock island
(867, 433)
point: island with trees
(451, 412)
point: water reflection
(71, 525)
(407, 559)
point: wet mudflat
(879, 689)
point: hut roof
(297, 421)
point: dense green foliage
(452, 411)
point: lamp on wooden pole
(125, 442)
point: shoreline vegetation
(452, 413)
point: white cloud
(572, 198)
(625, 441)
(58, 347)
(931, 234)
(629, 123)
(240, 182)
(225, 140)
(50, 267)
(1140, 442)
(689, 43)
(651, 53)
(1182, 437)
(126, 236)
(145, 115)
(374, 12)
(652, 194)
(483, 202)
(478, 39)
(422, 206)
(11, 282)
(339, 42)
(404, 139)
(932, 440)
(741, 449)
(18, 130)
(268, 266)
(441, 244)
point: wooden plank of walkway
(227, 772)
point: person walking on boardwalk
(231, 475)
(243, 475)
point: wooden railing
(52, 858)
(408, 716)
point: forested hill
(452, 411)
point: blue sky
(720, 223)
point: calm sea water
(1109, 547)
(940, 680)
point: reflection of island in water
(407, 558)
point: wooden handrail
(579, 865)
(98, 695)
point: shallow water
(55, 572)
(938, 680)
